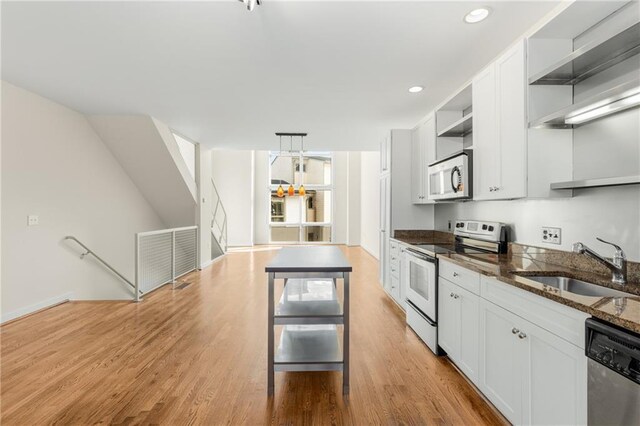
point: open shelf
(308, 347)
(597, 183)
(460, 128)
(309, 301)
(592, 58)
(557, 119)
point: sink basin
(578, 287)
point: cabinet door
(385, 222)
(428, 144)
(469, 330)
(555, 382)
(512, 123)
(485, 134)
(448, 319)
(417, 189)
(501, 360)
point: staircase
(218, 224)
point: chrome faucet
(618, 265)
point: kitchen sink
(577, 286)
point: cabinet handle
(455, 274)
(451, 295)
(491, 189)
(522, 335)
(456, 296)
(393, 258)
(515, 331)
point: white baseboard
(212, 261)
(36, 307)
(368, 251)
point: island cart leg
(345, 343)
(270, 338)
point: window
(299, 218)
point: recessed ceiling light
(415, 89)
(477, 15)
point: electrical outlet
(551, 235)
(33, 220)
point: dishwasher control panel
(613, 347)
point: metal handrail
(222, 239)
(91, 252)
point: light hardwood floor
(198, 356)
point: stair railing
(88, 252)
(218, 218)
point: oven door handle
(421, 256)
(419, 312)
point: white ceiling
(229, 78)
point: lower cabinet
(458, 327)
(533, 376)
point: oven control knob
(484, 227)
(490, 228)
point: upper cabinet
(423, 152)
(500, 128)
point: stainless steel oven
(450, 178)
(422, 298)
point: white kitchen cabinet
(447, 318)
(385, 154)
(511, 87)
(485, 148)
(531, 375)
(500, 128)
(458, 328)
(555, 380)
(395, 184)
(501, 360)
(423, 152)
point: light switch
(33, 220)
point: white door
(468, 332)
(448, 319)
(501, 360)
(485, 135)
(385, 222)
(385, 154)
(417, 190)
(512, 123)
(555, 382)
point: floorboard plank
(197, 355)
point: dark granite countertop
(513, 267)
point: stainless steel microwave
(450, 178)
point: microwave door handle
(453, 171)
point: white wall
(370, 202)
(233, 174)
(55, 166)
(262, 205)
(355, 191)
(610, 213)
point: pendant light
(280, 190)
(291, 190)
(301, 190)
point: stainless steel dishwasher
(614, 374)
